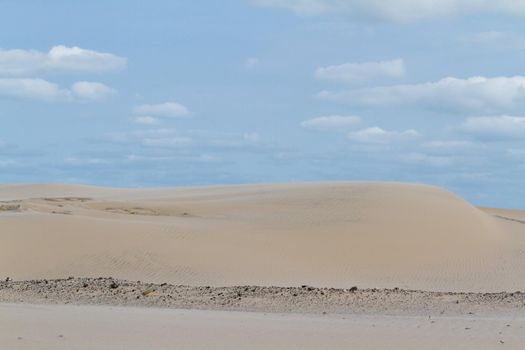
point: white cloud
(167, 109)
(92, 91)
(476, 93)
(356, 72)
(495, 127)
(331, 122)
(251, 63)
(58, 59)
(445, 146)
(378, 135)
(146, 120)
(39, 89)
(397, 10)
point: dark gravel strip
(304, 299)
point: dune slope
(324, 234)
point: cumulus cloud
(495, 127)
(39, 89)
(378, 135)
(475, 93)
(92, 91)
(397, 10)
(167, 109)
(331, 122)
(58, 59)
(358, 72)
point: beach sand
(28, 327)
(377, 236)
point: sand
(28, 327)
(268, 266)
(300, 300)
(373, 235)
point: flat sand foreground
(105, 313)
(370, 235)
(31, 327)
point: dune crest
(380, 235)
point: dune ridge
(374, 235)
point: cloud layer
(39, 89)
(332, 122)
(91, 91)
(358, 72)
(495, 127)
(379, 135)
(454, 94)
(58, 59)
(166, 109)
(397, 10)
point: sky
(182, 93)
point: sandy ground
(231, 267)
(304, 299)
(28, 327)
(375, 235)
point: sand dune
(324, 234)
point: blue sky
(177, 93)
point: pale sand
(28, 327)
(376, 235)
(370, 235)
